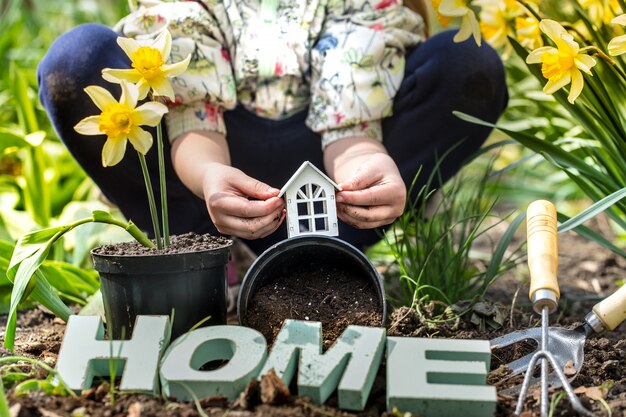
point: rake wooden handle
(612, 310)
(543, 258)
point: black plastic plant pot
(291, 254)
(191, 286)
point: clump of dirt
(330, 294)
(186, 243)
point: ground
(587, 274)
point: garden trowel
(567, 346)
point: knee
(470, 72)
(74, 60)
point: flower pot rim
(248, 283)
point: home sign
(429, 377)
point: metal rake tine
(516, 337)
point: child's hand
(240, 205)
(373, 192)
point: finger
(360, 181)
(237, 206)
(249, 228)
(367, 217)
(251, 187)
(378, 195)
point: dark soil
(188, 242)
(333, 296)
(587, 274)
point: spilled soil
(587, 275)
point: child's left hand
(373, 192)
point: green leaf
(28, 244)
(4, 404)
(498, 255)
(44, 294)
(595, 209)
(25, 108)
(593, 236)
(11, 139)
(36, 138)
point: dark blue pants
(441, 76)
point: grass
(434, 245)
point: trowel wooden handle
(612, 310)
(542, 254)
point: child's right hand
(240, 205)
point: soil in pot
(327, 293)
(188, 242)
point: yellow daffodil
(121, 121)
(617, 45)
(561, 65)
(469, 23)
(150, 70)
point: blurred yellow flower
(443, 20)
(495, 22)
(469, 23)
(527, 32)
(600, 11)
(617, 45)
(120, 121)
(149, 68)
(561, 65)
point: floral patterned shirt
(344, 60)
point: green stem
(164, 215)
(130, 227)
(612, 64)
(151, 202)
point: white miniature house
(310, 198)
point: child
(352, 86)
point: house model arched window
(310, 198)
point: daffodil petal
(113, 151)
(617, 46)
(149, 114)
(100, 96)
(89, 126)
(128, 45)
(163, 43)
(130, 94)
(140, 139)
(465, 31)
(535, 56)
(475, 26)
(577, 86)
(173, 70)
(116, 75)
(162, 87)
(585, 63)
(450, 8)
(555, 84)
(552, 29)
(619, 20)
(566, 42)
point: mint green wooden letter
(349, 365)
(85, 354)
(439, 377)
(245, 350)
